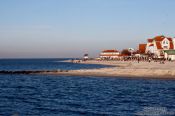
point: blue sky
(70, 28)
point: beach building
(169, 54)
(157, 47)
(85, 57)
(109, 54)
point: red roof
(110, 51)
(158, 45)
(170, 39)
(150, 40)
(151, 45)
(171, 45)
(159, 38)
(142, 48)
(109, 55)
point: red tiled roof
(159, 38)
(171, 45)
(151, 45)
(170, 39)
(109, 55)
(142, 48)
(158, 45)
(110, 51)
(150, 40)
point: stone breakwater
(31, 72)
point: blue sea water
(43, 64)
(52, 95)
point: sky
(71, 28)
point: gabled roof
(110, 51)
(158, 45)
(142, 48)
(151, 45)
(170, 39)
(159, 38)
(171, 45)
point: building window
(165, 42)
(165, 47)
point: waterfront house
(109, 54)
(157, 46)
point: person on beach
(138, 60)
(149, 60)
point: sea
(55, 95)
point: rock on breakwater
(31, 72)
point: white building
(109, 54)
(169, 54)
(85, 57)
(158, 45)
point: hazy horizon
(70, 28)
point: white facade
(158, 44)
(172, 57)
(109, 54)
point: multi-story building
(158, 46)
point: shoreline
(131, 69)
(128, 69)
(110, 75)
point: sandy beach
(131, 69)
(126, 69)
